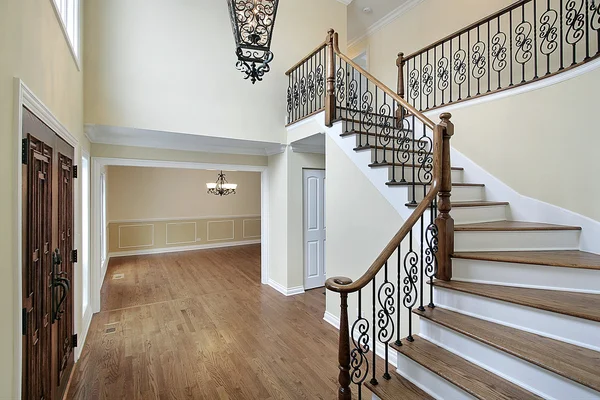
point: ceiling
(359, 21)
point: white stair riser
(527, 375)
(526, 275)
(459, 193)
(472, 215)
(457, 175)
(578, 331)
(433, 384)
(516, 240)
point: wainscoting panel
(152, 235)
(181, 233)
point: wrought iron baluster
(489, 75)
(398, 342)
(413, 167)
(562, 23)
(374, 379)
(510, 30)
(535, 47)
(358, 355)
(386, 323)
(410, 281)
(587, 30)
(468, 61)
(431, 251)
(548, 34)
(395, 134)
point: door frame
(99, 164)
(24, 97)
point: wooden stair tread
(581, 305)
(572, 362)
(387, 165)
(553, 258)
(396, 388)
(475, 380)
(513, 226)
(461, 204)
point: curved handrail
(420, 116)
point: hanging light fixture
(221, 187)
(253, 22)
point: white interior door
(314, 228)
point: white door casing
(314, 228)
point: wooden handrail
(306, 58)
(467, 28)
(419, 115)
(346, 285)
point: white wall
(170, 66)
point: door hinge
(24, 321)
(24, 151)
(74, 256)
(74, 340)
(74, 171)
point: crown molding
(345, 2)
(386, 20)
(308, 148)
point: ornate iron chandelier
(221, 187)
(253, 22)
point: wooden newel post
(330, 94)
(444, 221)
(344, 392)
(400, 90)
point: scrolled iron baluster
(499, 53)
(414, 84)
(411, 270)
(425, 160)
(548, 32)
(289, 102)
(403, 142)
(524, 45)
(595, 22)
(460, 69)
(427, 80)
(443, 74)
(303, 91)
(575, 20)
(320, 80)
(479, 62)
(312, 89)
(366, 109)
(385, 323)
(358, 355)
(431, 238)
(340, 85)
(385, 125)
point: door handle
(59, 280)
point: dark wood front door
(47, 261)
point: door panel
(37, 264)
(314, 228)
(47, 225)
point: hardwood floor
(199, 325)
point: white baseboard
(285, 290)
(182, 248)
(332, 320)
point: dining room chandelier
(252, 22)
(221, 187)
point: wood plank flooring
(199, 325)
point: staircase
(462, 303)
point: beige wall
(170, 66)
(278, 218)
(34, 49)
(540, 143)
(151, 208)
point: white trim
(196, 239)
(285, 290)
(345, 2)
(164, 250)
(126, 221)
(24, 97)
(131, 162)
(386, 20)
(141, 245)
(63, 27)
(542, 83)
(264, 228)
(244, 228)
(332, 319)
(307, 148)
(208, 239)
